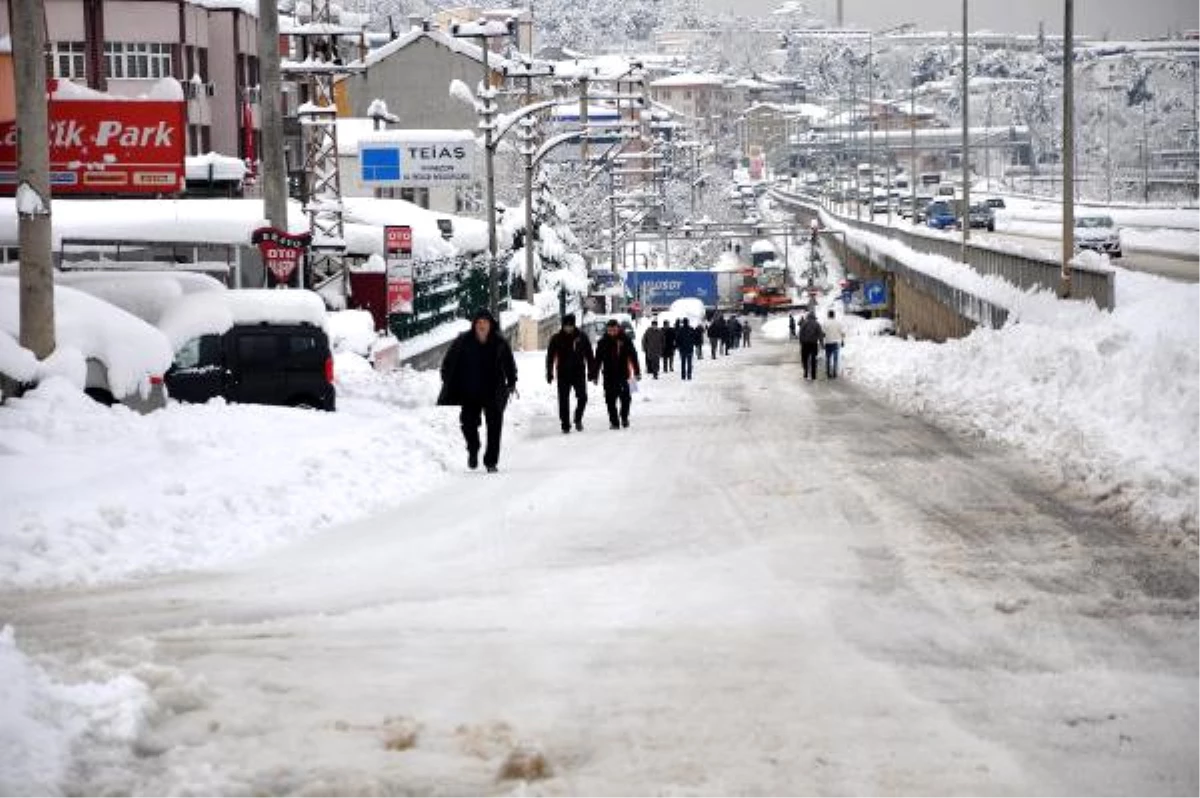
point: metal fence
(444, 290)
(1023, 271)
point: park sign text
(107, 147)
(416, 157)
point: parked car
(940, 215)
(115, 357)
(995, 203)
(253, 346)
(1098, 232)
(982, 216)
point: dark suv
(269, 364)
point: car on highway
(940, 215)
(982, 216)
(1099, 233)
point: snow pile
(44, 720)
(88, 328)
(351, 331)
(1109, 402)
(146, 295)
(214, 166)
(202, 485)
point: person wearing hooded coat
(570, 354)
(653, 342)
(479, 374)
(617, 361)
(810, 334)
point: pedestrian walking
(791, 326)
(733, 334)
(716, 335)
(617, 363)
(810, 334)
(698, 337)
(835, 337)
(479, 374)
(686, 350)
(569, 357)
(653, 342)
(746, 333)
(670, 343)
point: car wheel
(304, 403)
(102, 396)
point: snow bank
(88, 328)
(194, 486)
(146, 295)
(1109, 402)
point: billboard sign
(400, 291)
(660, 288)
(416, 157)
(397, 241)
(107, 147)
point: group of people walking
(812, 335)
(479, 372)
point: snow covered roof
(146, 295)
(87, 328)
(601, 67)
(164, 89)
(461, 46)
(249, 7)
(691, 79)
(214, 312)
(573, 111)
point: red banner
(400, 295)
(281, 251)
(108, 147)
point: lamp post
(966, 144)
(483, 31)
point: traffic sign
(875, 294)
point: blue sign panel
(380, 164)
(875, 294)
(661, 288)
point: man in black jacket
(570, 353)
(810, 334)
(479, 373)
(617, 359)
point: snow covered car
(1098, 232)
(113, 356)
(253, 346)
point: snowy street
(764, 586)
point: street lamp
(483, 31)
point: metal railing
(1024, 271)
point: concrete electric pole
(274, 167)
(1068, 148)
(33, 178)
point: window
(255, 350)
(417, 196)
(65, 60)
(137, 60)
(304, 352)
(199, 352)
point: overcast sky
(1116, 18)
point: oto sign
(281, 251)
(107, 147)
(397, 241)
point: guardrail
(1023, 271)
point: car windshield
(1094, 221)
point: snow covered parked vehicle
(253, 346)
(110, 354)
(1098, 232)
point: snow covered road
(763, 586)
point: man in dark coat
(670, 343)
(570, 354)
(716, 335)
(479, 373)
(617, 359)
(686, 349)
(810, 334)
(653, 341)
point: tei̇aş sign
(416, 157)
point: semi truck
(657, 289)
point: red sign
(281, 251)
(400, 295)
(108, 147)
(397, 240)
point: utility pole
(33, 178)
(871, 121)
(966, 144)
(912, 155)
(274, 167)
(1068, 144)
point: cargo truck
(657, 289)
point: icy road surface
(763, 586)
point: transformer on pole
(319, 66)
